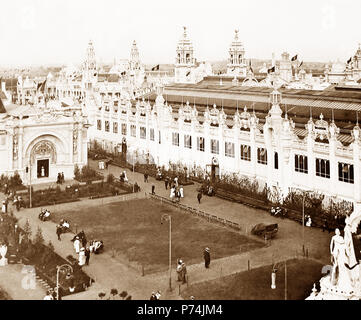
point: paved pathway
(111, 273)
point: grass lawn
(256, 284)
(133, 228)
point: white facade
(39, 143)
(241, 145)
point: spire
(184, 32)
(236, 35)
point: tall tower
(236, 61)
(185, 63)
(90, 70)
(286, 67)
(356, 63)
(134, 57)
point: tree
(27, 229)
(51, 246)
(38, 239)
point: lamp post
(303, 223)
(167, 217)
(58, 269)
(30, 200)
(134, 155)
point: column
(20, 148)
(333, 168)
(221, 158)
(80, 142)
(356, 166)
(311, 162)
(253, 146)
(237, 151)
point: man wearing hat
(207, 257)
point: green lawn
(133, 228)
(256, 284)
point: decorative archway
(43, 148)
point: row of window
(143, 132)
(345, 171)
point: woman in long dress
(181, 191)
(77, 245)
(82, 257)
(172, 193)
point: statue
(3, 251)
(340, 258)
(42, 171)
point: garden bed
(295, 215)
(75, 192)
(43, 258)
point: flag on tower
(349, 60)
(155, 68)
(41, 86)
(294, 58)
(271, 70)
(250, 66)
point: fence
(196, 212)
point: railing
(196, 212)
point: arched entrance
(42, 155)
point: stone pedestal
(331, 292)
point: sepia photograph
(180, 150)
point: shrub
(110, 178)
(15, 181)
(77, 174)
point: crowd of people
(83, 250)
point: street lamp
(65, 267)
(30, 200)
(303, 220)
(167, 217)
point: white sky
(57, 31)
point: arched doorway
(43, 155)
